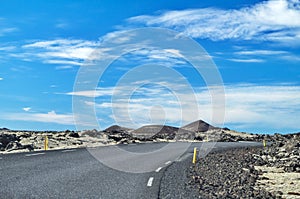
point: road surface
(132, 171)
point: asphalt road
(127, 171)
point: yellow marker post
(46, 143)
(195, 155)
(264, 143)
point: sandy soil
(276, 180)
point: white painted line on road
(158, 169)
(70, 150)
(94, 147)
(34, 154)
(150, 181)
(246, 142)
(131, 144)
(169, 162)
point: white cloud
(247, 60)
(261, 52)
(291, 58)
(175, 52)
(60, 51)
(64, 62)
(252, 55)
(1, 78)
(275, 20)
(166, 57)
(5, 31)
(26, 109)
(92, 93)
(248, 106)
(63, 67)
(117, 37)
(254, 106)
(62, 25)
(7, 48)
(58, 43)
(50, 117)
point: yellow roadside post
(264, 143)
(195, 155)
(46, 143)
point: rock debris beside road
(227, 174)
(284, 153)
(279, 165)
(270, 172)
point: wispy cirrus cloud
(275, 20)
(5, 31)
(6, 28)
(263, 55)
(93, 93)
(249, 107)
(7, 48)
(50, 117)
(290, 57)
(247, 60)
(166, 57)
(262, 52)
(66, 53)
(60, 51)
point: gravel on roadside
(227, 174)
(221, 174)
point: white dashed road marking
(158, 169)
(34, 154)
(168, 162)
(70, 150)
(246, 142)
(150, 181)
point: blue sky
(255, 46)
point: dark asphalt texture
(78, 174)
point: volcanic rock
(226, 174)
(163, 132)
(284, 152)
(74, 135)
(15, 145)
(117, 129)
(198, 126)
(5, 139)
(155, 132)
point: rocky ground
(19, 141)
(270, 172)
(279, 165)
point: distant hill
(162, 132)
(198, 126)
(117, 128)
